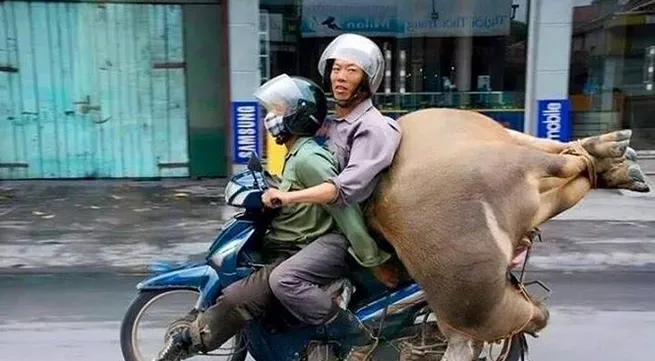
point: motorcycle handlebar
(268, 180)
(277, 203)
(271, 181)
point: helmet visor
(279, 95)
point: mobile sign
(554, 120)
(246, 137)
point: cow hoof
(631, 154)
(620, 149)
(636, 174)
(637, 179)
(625, 134)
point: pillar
(549, 54)
(243, 18)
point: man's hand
(271, 194)
(387, 273)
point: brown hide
(459, 196)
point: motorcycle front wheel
(131, 347)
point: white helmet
(360, 50)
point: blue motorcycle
(399, 319)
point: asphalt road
(595, 316)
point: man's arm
(323, 193)
(315, 169)
(373, 150)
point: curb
(541, 260)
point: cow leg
(558, 200)
(515, 314)
(560, 167)
(543, 144)
(561, 183)
(539, 313)
(550, 183)
(613, 144)
(609, 145)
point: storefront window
(439, 53)
(611, 70)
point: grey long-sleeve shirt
(364, 144)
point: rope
(578, 149)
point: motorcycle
(398, 319)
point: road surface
(598, 316)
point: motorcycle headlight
(235, 194)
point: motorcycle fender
(202, 278)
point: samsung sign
(246, 133)
(554, 120)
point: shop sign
(246, 135)
(403, 18)
(554, 119)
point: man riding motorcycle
(301, 234)
(364, 143)
(362, 139)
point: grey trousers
(241, 301)
(296, 282)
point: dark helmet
(295, 105)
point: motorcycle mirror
(254, 165)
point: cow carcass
(461, 195)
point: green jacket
(308, 164)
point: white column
(244, 55)
(549, 54)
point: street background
(72, 253)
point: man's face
(345, 78)
(273, 119)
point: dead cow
(461, 195)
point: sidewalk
(612, 205)
(98, 225)
(124, 226)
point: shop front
(459, 54)
(611, 72)
(112, 89)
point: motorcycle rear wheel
(128, 333)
